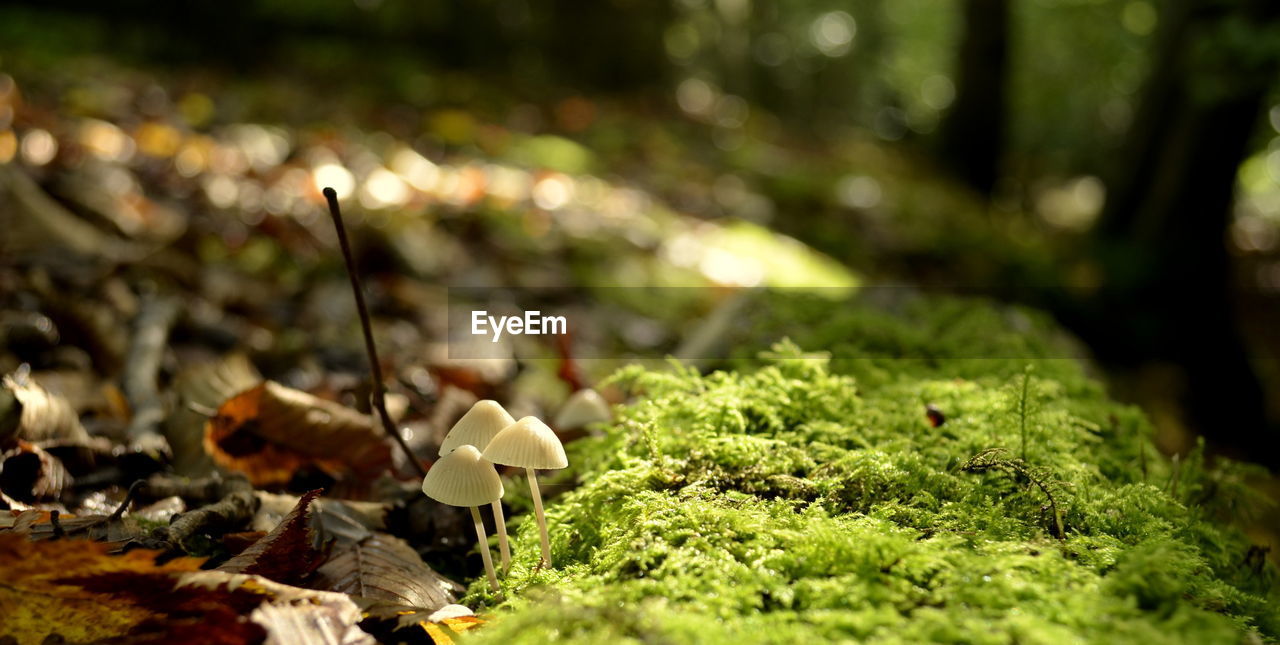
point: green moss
(800, 498)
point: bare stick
(137, 487)
(236, 508)
(379, 401)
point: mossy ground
(797, 498)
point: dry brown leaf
(269, 432)
(236, 543)
(115, 533)
(204, 386)
(291, 615)
(288, 553)
(343, 519)
(349, 520)
(36, 226)
(45, 417)
(130, 213)
(10, 504)
(73, 589)
(23, 520)
(383, 569)
(311, 623)
(28, 473)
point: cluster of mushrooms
(465, 474)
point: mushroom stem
(503, 546)
(484, 548)
(542, 519)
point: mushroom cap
(477, 427)
(584, 407)
(527, 443)
(463, 478)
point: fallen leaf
(383, 569)
(44, 416)
(22, 521)
(236, 543)
(310, 623)
(341, 519)
(116, 534)
(203, 386)
(74, 590)
(388, 621)
(293, 615)
(28, 473)
(269, 432)
(131, 213)
(456, 618)
(287, 554)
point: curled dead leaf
(28, 473)
(42, 415)
(200, 387)
(269, 432)
(334, 519)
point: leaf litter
(826, 511)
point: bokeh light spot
(832, 33)
(39, 147)
(331, 175)
(1139, 17)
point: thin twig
(137, 487)
(379, 401)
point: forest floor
(185, 372)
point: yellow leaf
(438, 635)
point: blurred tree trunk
(1163, 238)
(972, 136)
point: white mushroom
(583, 407)
(530, 444)
(464, 478)
(476, 428)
